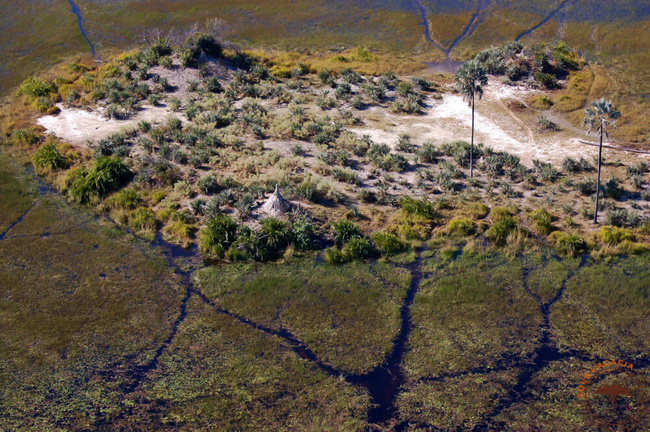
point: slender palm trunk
(600, 155)
(471, 148)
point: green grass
(465, 319)
(77, 308)
(606, 309)
(222, 375)
(343, 313)
(16, 198)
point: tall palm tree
(470, 80)
(601, 115)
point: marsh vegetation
(415, 282)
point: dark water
(546, 19)
(77, 12)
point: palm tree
(470, 80)
(600, 115)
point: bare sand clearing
(77, 127)
(496, 126)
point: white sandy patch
(77, 127)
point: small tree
(470, 80)
(600, 115)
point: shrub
(350, 76)
(586, 186)
(387, 243)
(637, 181)
(346, 175)
(107, 174)
(36, 87)
(219, 233)
(421, 83)
(307, 190)
(404, 88)
(212, 85)
(208, 184)
(621, 218)
(142, 219)
(612, 189)
(547, 125)
(546, 170)
(423, 208)
(612, 235)
(542, 221)
(367, 196)
(428, 153)
(567, 243)
(404, 144)
(334, 255)
(477, 210)
(49, 158)
(302, 231)
(325, 75)
(461, 227)
(503, 223)
(637, 169)
(275, 234)
(344, 231)
(547, 80)
(357, 248)
(570, 165)
(125, 199)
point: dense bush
(542, 221)
(461, 226)
(36, 87)
(423, 208)
(49, 158)
(202, 43)
(107, 174)
(547, 80)
(208, 184)
(125, 199)
(142, 219)
(387, 243)
(567, 243)
(344, 231)
(428, 153)
(612, 235)
(334, 255)
(503, 223)
(275, 234)
(302, 232)
(219, 233)
(477, 210)
(357, 248)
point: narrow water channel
(77, 12)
